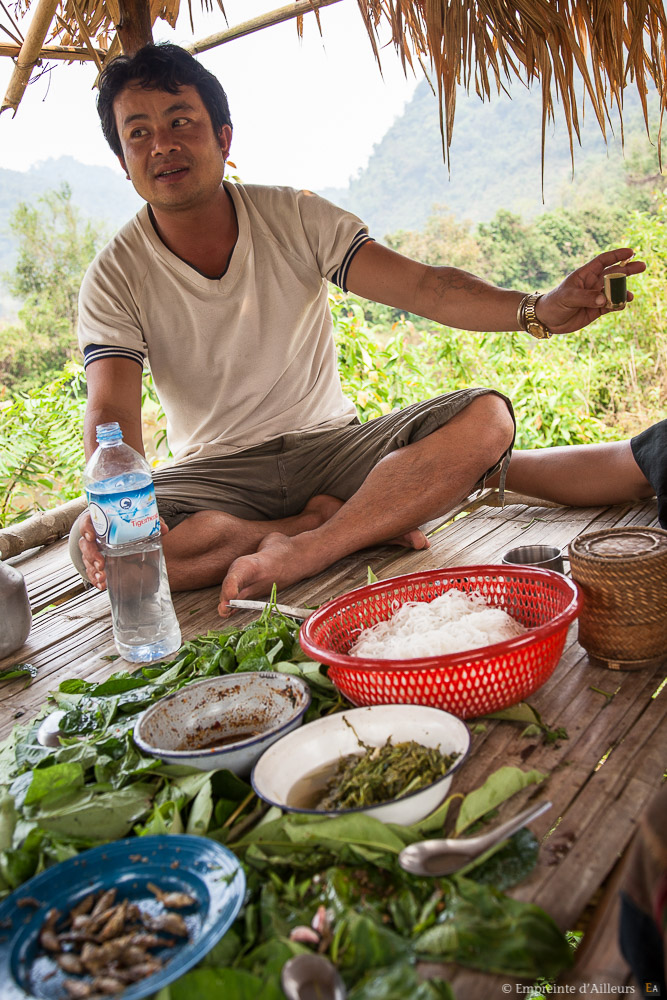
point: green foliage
(384, 370)
(442, 240)
(512, 252)
(41, 446)
(568, 390)
(55, 248)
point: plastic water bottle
(122, 506)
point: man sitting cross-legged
(223, 288)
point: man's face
(170, 151)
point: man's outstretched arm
(457, 298)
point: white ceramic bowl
(326, 740)
(223, 722)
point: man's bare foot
(415, 539)
(275, 561)
(282, 561)
(316, 512)
(201, 548)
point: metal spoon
(311, 977)
(442, 857)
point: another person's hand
(93, 557)
(580, 298)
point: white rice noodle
(452, 623)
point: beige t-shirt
(244, 358)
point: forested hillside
(495, 163)
(100, 193)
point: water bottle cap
(109, 433)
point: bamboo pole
(73, 53)
(257, 23)
(29, 54)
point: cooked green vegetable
(382, 774)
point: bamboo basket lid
(623, 574)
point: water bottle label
(125, 517)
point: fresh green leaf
(501, 785)
(483, 929)
(18, 670)
(53, 782)
(398, 982)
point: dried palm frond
(480, 43)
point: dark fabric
(650, 453)
(641, 945)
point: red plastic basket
(466, 684)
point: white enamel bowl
(327, 740)
(243, 713)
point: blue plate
(203, 868)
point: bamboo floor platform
(601, 777)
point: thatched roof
(480, 44)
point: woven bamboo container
(623, 574)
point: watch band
(527, 319)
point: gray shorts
(278, 478)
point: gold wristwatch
(527, 319)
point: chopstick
(285, 609)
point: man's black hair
(158, 67)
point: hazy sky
(305, 113)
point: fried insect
(85, 906)
(78, 989)
(170, 923)
(103, 945)
(172, 900)
(115, 923)
(47, 936)
(104, 903)
(70, 963)
(107, 985)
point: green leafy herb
(609, 695)
(19, 670)
(382, 774)
(523, 712)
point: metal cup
(545, 556)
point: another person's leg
(410, 485)
(579, 475)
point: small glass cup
(544, 556)
(615, 290)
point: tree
(55, 248)
(443, 240)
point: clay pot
(15, 613)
